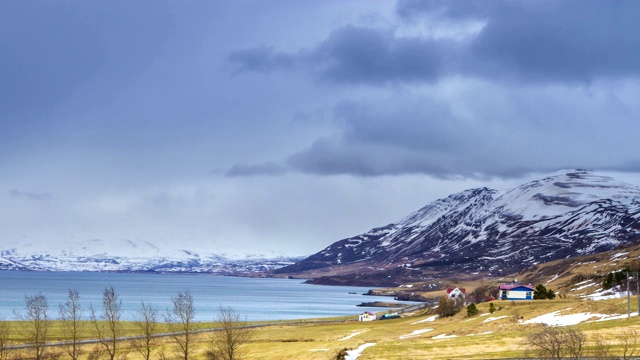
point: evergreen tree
(615, 278)
(608, 281)
(492, 308)
(620, 276)
(541, 293)
(472, 310)
(551, 294)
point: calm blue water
(257, 299)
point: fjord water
(253, 298)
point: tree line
(35, 324)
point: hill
(483, 232)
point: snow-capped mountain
(128, 255)
(571, 213)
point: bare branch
(628, 341)
(147, 323)
(72, 325)
(181, 322)
(108, 327)
(35, 322)
(234, 333)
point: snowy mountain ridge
(127, 255)
(485, 231)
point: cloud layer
(473, 89)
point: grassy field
(414, 336)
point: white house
(367, 316)
(458, 295)
(515, 292)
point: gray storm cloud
(527, 82)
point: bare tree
(601, 347)
(147, 323)
(483, 293)
(5, 335)
(574, 340)
(72, 325)
(628, 342)
(35, 322)
(448, 306)
(233, 334)
(180, 319)
(545, 342)
(108, 326)
(557, 343)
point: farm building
(515, 292)
(367, 316)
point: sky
(279, 127)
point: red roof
(464, 291)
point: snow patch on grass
(606, 294)
(484, 333)
(414, 333)
(429, 319)
(350, 336)
(494, 318)
(355, 354)
(584, 285)
(616, 317)
(444, 336)
(555, 319)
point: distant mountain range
(130, 256)
(485, 232)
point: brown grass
(476, 337)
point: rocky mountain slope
(487, 232)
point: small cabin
(515, 292)
(367, 316)
(456, 292)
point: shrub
(492, 308)
(341, 354)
